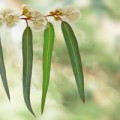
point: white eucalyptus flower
(31, 14)
(34, 15)
(11, 20)
(1, 20)
(6, 12)
(71, 13)
(8, 17)
(37, 18)
(39, 24)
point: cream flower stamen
(37, 18)
(31, 14)
(6, 12)
(72, 13)
(35, 15)
(1, 20)
(11, 20)
(39, 24)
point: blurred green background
(98, 34)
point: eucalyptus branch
(40, 21)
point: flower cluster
(37, 18)
(71, 13)
(39, 21)
(9, 18)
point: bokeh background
(98, 34)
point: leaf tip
(42, 108)
(42, 104)
(9, 98)
(33, 114)
(31, 111)
(41, 112)
(83, 100)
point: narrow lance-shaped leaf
(27, 50)
(3, 72)
(74, 54)
(49, 36)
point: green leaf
(49, 36)
(74, 54)
(27, 50)
(3, 72)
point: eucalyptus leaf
(27, 50)
(75, 58)
(49, 36)
(3, 72)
